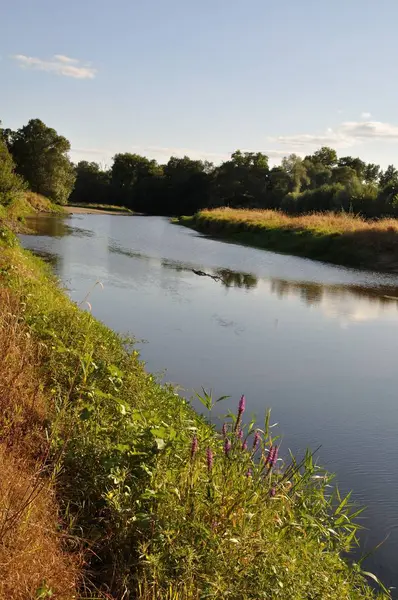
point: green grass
(25, 204)
(159, 514)
(340, 239)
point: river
(315, 342)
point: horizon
(203, 81)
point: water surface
(316, 342)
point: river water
(316, 343)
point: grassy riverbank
(113, 485)
(25, 204)
(340, 239)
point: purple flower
(256, 440)
(240, 434)
(194, 446)
(272, 492)
(272, 456)
(242, 405)
(249, 473)
(244, 445)
(224, 430)
(241, 410)
(209, 458)
(227, 446)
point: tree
(92, 184)
(296, 169)
(127, 173)
(187, 184)
(317, 173)
(243, 180)
(344, 175)
(371, 173)
(356, 164)
(325, 156)
(41, 159)
(389, 177)
(10, 183)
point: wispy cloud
(58, 64)
(346, 134)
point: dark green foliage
(40, 155)
(10, 184)
(319, 182)
(92, 184)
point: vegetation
(319, 182)
(113, 487)
(342, 239)
(41, 159)
(151, 501)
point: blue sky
(204, 78)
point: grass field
(341, 239)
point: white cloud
(346, 134)
(366, 115)
(359, 131)
(65, 59)
(58, 64)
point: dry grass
(23, 406)
(321, 222)
(31, 554)
(31, 548)
(338, 238)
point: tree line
(318, 182)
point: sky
(175, 77)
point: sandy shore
(92, 211)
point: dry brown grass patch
(31, 553)
(31, 545)
(23, 407)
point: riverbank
(102, 209)
(23, 205)
(339, 239)
(151, 498)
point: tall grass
(338, 238)
(164, 505)
(32, 553)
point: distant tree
(10, 183)
(325, 156)
(279, 185)
(127, 173)
(344, 175)
(296, 169)
(187, 184)
(356, 164)
(318, 174)
(243, 180)
(371, 173)
(41, 159)
(389, 177)
(91, 185)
